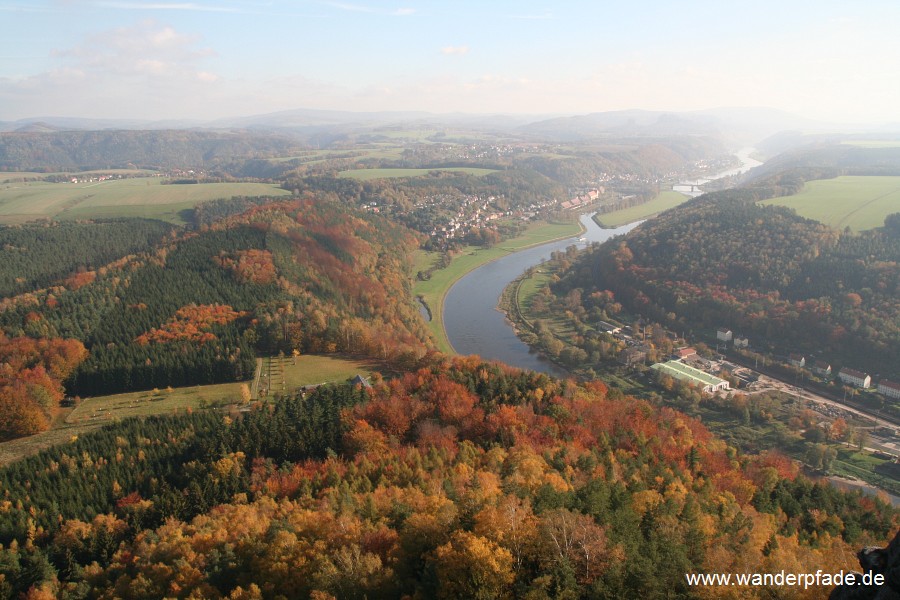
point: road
(882, 419)
(877, 443)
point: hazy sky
(833, 60)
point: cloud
(455, 50)
(147, 47)
(547, 16)
(400, 12)
(23, 8)
(189, 6)
(138, 70)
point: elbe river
(473, 322)
(475, 325)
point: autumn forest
(434, 475)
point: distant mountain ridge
(737, 126)
(40, 147)
(77, 143)
(740, 124)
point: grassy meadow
(284, 374)
(93, 413)
(856, 202)
(617, 218)
(136, 197)
(20, 176)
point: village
(717, 375)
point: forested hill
(300, 275)
(36, 256)
(463, 479)
(831, 159)
(789, 283)
(83, 150)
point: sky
(835, 61)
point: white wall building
(889, 388)
(855, 378)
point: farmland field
(93, 413)
(617, 218)
(137, 197)
(19, 176)
(859, 203)
(286, 374)
(367, 174)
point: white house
(609, 327)
(855, 378)
(797, 360)
(889, 388)
(724, 335)
(822, 368)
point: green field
(92, 413)
(664, 201)
(529, 287)
(284, 374)
(859, 203)
(435, 289)
(136, 197)
(367, 174)
(18, 176)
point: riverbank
(548, 335)
(433, 292)
(664, 201)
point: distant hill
(830, 157)
(39, 147)
(297, 119)
(625, 123)
(39, 127)
(737, 126)
(88, 124)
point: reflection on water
(690, 187)
(474, 323)
(424, 310)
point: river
(691, 187)
(473, 322)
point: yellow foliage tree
(470, 566)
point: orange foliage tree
(31, 374)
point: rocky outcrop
(875, 562)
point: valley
(426, 300)
(257, 367)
